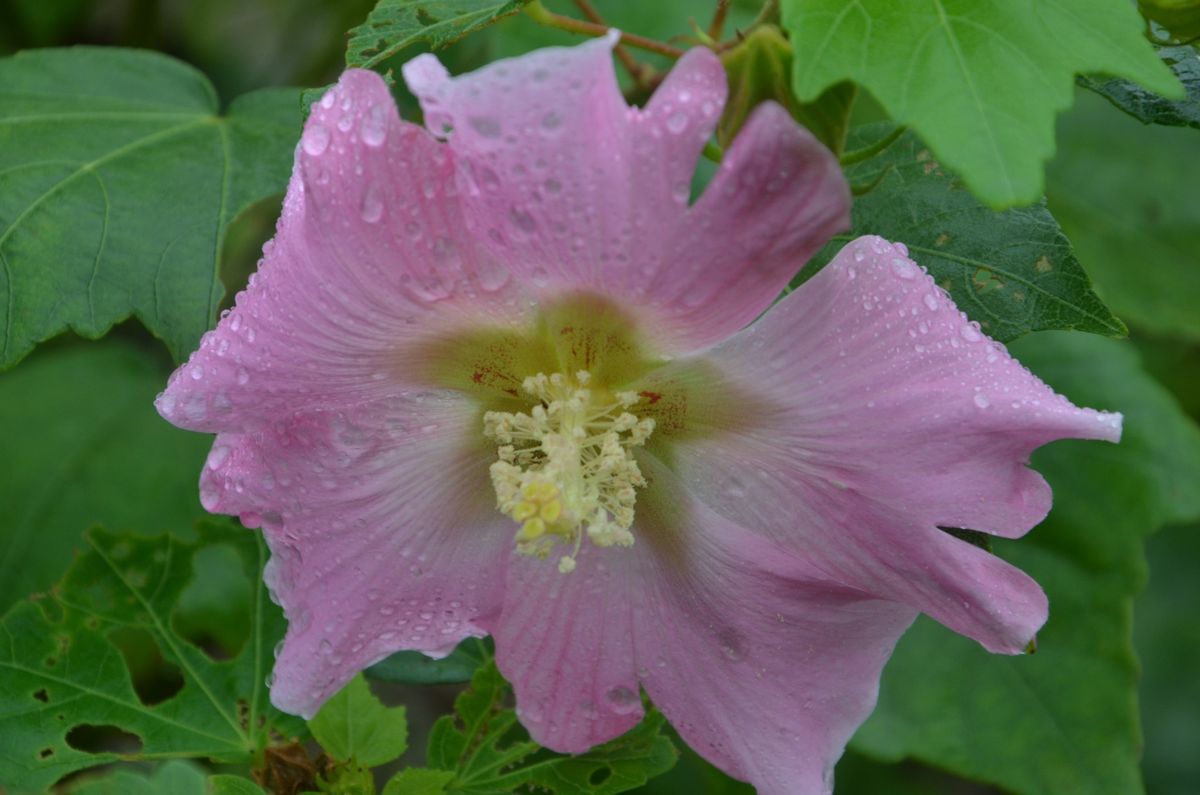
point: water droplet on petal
(981, 400)
(622, 700)
(374, 126)
(485, 126)
(903, 268)
(372, 205)
(677, 123)
(316, 139)
(930, 301)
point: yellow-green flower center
(566, 469)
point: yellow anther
(566, 469)
(550, 511)
(532, 529)
(524, 510)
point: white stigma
(566, 468)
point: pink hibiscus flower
(502, 379)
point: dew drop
(374, 126)
(316, 139)
(903, 268)
(540, 277)
(930, 301)
(622, 700)
(485, 126)
(981, 400)
(677, 123)
(217, 456)
(372, 205)
(970, 333)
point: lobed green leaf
(489, 752)
(980, 81)
(1012, 271)
(64, 676)
(118, 179)
(355, 726)
(395, 24)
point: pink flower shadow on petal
(790, 476)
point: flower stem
(640, 72)
(867, 152)
(717, 26)
(543, 16)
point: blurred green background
(1125, 193)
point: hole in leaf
(101, 739)
(42, 696)
(599, 776)
(154, 679)
(46, 753)
(213, 613)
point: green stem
(544, 16)
(867, 152)
(863, 188)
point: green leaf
(415, 668)
(233, 785)
(169, 778)
(355, 725)
(118, 180)
(1013, 271)
(1065, 718)
(981, 82)
(1135, 218)
(396, 24)
(490, 751)
(1168, 644)
(96, 455)
(1148, 107)
(419, 781)
(759, 69)
(67, 701)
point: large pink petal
(371, 253)
(565, 642)
(574, 189)
(872, 413)
(763, 666)
(382, 528)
